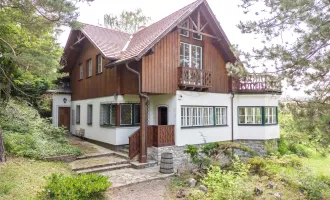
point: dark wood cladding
(159, 70)
(110, 81)
(213, 61)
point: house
(163, 87)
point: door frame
(157, 113)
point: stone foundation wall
(180, 159)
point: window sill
(88, 77)
(77, 123)
(251, 125)
(186, 36)
(271, 124)
(80, 79)
(211, 126)
(89, 124)
(98, 73)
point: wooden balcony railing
(257, 83)
(157, 135)
(194, 79)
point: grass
(22, 178)
(318, 164)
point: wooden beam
(201, 33)
(199, 21)
(204, 26)
(78, 41)
(193, 23)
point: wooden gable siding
(110, 81)
(159, 70)
(213, 61)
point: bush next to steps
(27, 134)
(82, 187)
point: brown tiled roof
(109, 42)
(121, 47)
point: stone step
(124, 150)
(150, 163)
(96, 155)
(102, 165)
(104, 169)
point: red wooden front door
(64, 117)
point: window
(197, 37)
(197, 116)
(89, 68)
(126, 114)
(185, 33)
(220, 116)
(72, 120)
(89, 114)
(78, 114)
(190, 55)
(108, 114)
(270, 115)
(136, 114)
(99, 63)
(81, 72)
(250, 115)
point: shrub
(27, 134)
(225, 185)
(257, 164)
(82, 187)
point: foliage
(257, 164)
(22, 178)
(27, 134)
(205, 155)
(82, 187)
(295, 45)
(127, 21)
(227, 184)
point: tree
(127, 21)
(296, 41)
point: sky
(226, 11)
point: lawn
(22, 178)
(318, 164)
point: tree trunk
(2, 148)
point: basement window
(108, 115)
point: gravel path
(153, 190)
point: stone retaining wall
(180, 159)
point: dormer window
(185, 33)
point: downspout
(232, 116)
(139, 77)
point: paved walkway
(89, 149)
(151, 190)
(129, 176)
(98, 161)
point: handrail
(256, 83)
(192, 77)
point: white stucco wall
(189, 135)
(156, 101)
(255, 132)
(110, 135)
(58, 102)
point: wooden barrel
(166, 163)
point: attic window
(185, 33)
(99, 63)
(89, 67)
(197, 37)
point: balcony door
(191, 58)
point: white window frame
(186, 26)
(200, 36)
(89, 114)
(250, 118)
(112, 120)
(196, 116)
(78, 110)
(73, 117)
(89, 68)
(220, 115)
(190, 55)
(81, 71)
(99, 63)
(270, 115)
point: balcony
(194, 79)
(257, 83)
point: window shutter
(101, 115)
